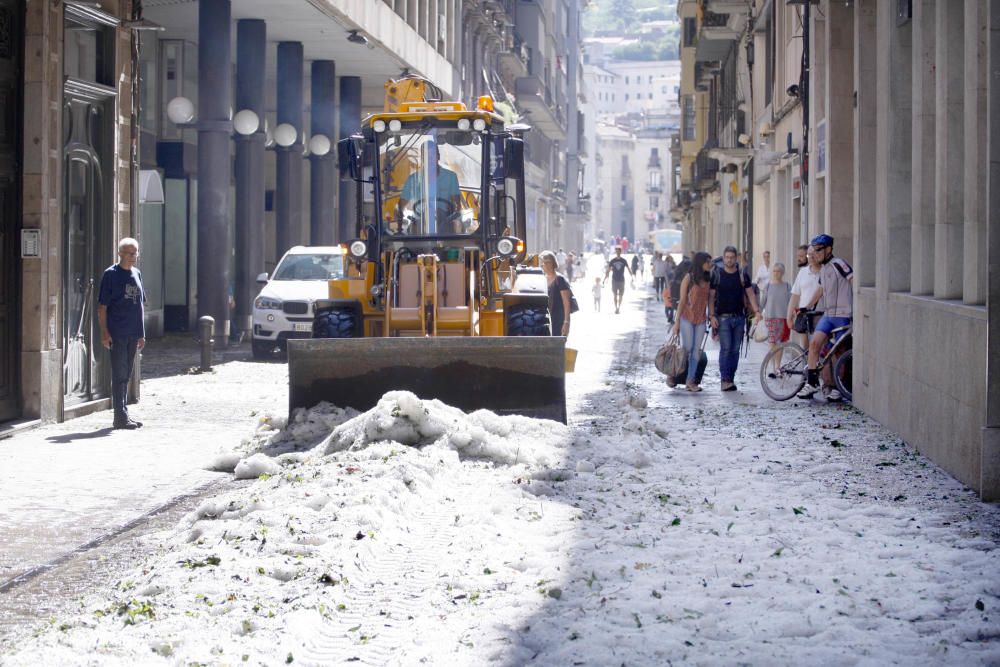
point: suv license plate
(302, 326)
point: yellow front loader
(441, 296)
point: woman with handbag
(804, 298)
(560, 295)
(692, 313)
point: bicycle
(784, 379)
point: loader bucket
(523, 375)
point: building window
(654, 203)
(626, 80)
(626, 97)
(688, 120)
(690, 30)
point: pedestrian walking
(774, 303)
(731, 291)
(596, 289)
(560, 295)
(659, 274)
(763, 274)
(636, 268)
(805, 296)
(570, 265)
(121, 318)
(617, 268)
(695, 290)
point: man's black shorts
(618, 287)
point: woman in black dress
(559, 295)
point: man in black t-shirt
(617, 268)
(120, 314)
(729, 293)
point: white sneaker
(808, 391)
(834, 396)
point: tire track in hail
(387, 595)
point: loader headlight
(395, 125)
(358, 249)
(379, 126)
(507, 246)
(267, 303)
(479, 125)
(463, 124)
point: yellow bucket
(570, 359)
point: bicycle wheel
(843, 374)
(783, 371)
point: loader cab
(433, 180)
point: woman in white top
(805, 294)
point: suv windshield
(431, 180)
(310, 267)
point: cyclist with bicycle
(836, 289)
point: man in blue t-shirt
(442, 201)
(123, 331)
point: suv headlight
(267, 303)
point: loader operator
(439, 201)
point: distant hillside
(626, 15)
(651, 23)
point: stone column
(41, 358)
(976, 261)
(288, 207)
(949, 151)
(215, 96)
(323, 176)
(350, 123)
(892, 152)
(922, 259)
(840, 127)
(251, 45)
(864, 144)
(990, 464)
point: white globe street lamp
(319, 145)
(246, 122)
(285, 135)
(180, 110)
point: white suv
(284, 307)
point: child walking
(597, 294)
(774, 305)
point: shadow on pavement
(67, 438)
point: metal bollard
(206, 333)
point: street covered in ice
(657, 527)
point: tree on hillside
(623, 13)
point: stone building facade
(884, 136)
(68, 194)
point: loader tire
(335, 323)
(525, 320)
